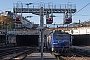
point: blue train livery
(58, 41)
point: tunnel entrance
(27, 40)
(81, 40)
(2, 38)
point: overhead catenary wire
(81, 9)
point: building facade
(20, 21)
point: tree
(6, 20)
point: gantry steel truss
(70, 8)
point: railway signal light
(49, 20)
(18, 19)
(68, 20)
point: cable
(82, 15)
(81, 8)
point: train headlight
(55, 43)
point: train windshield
(60, 36)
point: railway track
(6, 51)
(16, 54)
(77, 55)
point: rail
(16, 53)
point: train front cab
(60, 49)
(60, 45)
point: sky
(83, 15)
